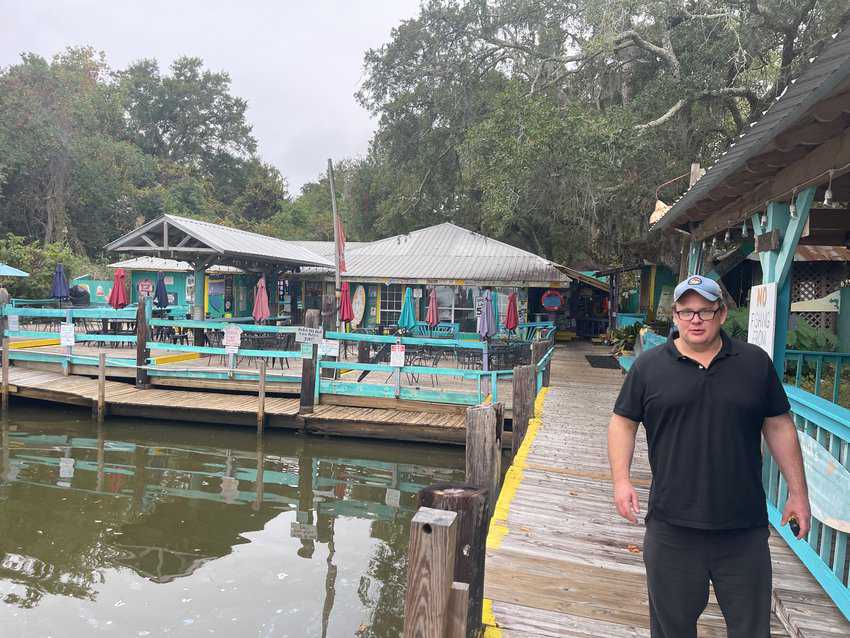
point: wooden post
(101, 387)
(363, 352)
(483, 461)
(261, 398)
(312, 319)
(142, 350)
(457, 618)
(470, 504)
(5, 406)
(523, 402)
(430, 566)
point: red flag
(340, 244)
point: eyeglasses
(704, 315)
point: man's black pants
(680, 562)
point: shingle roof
(825, 74)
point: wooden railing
(800, 365)
(824, 434)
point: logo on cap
(694, 281)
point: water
(149, 529)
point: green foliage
(737, 323)
(40, 260)
(624, 339)
(807, 338)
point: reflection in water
(154, 528)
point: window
(313, 295)
(391, 300)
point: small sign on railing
(397, 355)
(232, 339)
(329, 348)
(14, 323)
(304, 334)
(66, 334)
(306, 350)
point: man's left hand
(797, 507)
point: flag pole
(336, 243)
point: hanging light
(714, 243)
(763, 220)
(792, 207)
(728, 236)
(827, 196)
(744, 232)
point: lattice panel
(813, 280)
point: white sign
(66, 334)
(66, 467)
(417, 293)
(308, 335)
(14, 322)
(479, 304)
(762, 326)
(232, 339)
(397, 355)
(329, 348)
(392, 497)
(306, 350)
(304, 531)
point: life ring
(552, 300)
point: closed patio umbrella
(261, 302)
(160, 295)
(487, 319)
(511, 315)
(407, 320)
(346, 312)
(59, 289)
(118, 295)
(495, 300)
(433, 316)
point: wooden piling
(261, 398)
(312, 319)
(524, 383)
(483, 454)
(5, 405)
(469, 502)
(142, 350)
(430, 566)
(101, 387)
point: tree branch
(727, 92)
(633, 37)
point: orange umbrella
(346, 312)
(511, 316)
(118, 295)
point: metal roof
(168, 265)
(822, 78)
(449, 253)
(170, 235)
(325, 248)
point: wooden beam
(810, 170)
(150, 242)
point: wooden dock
(562, 563)
(124, 399)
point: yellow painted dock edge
(176, 358)
(32, 343)
(499, 523)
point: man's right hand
(626, 500)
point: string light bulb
(744, 231)
(792, 207)
(714, 242)
(763, 220)
(728, 236)
(827, 196)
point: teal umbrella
(496, 310)
(407, 320)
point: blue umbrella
(487, 318)
(59, 289)
(407, 320)
(160, 295)
(495, 311)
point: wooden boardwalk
(560, 560)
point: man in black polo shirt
(706, 400)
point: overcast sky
(297, 62)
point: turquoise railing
(824, 433)
(824, 365)
(541, 366)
